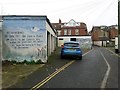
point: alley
(88, 73)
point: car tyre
(61, 56)
(80, 58)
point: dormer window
(71, 23)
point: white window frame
(59, 32)
(69, 31)
(65, 31)
(76, 31)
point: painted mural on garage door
(85, 42)
(24, 39)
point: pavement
(112, 49)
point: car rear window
(71, 44)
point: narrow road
(97, 69)
(92, 72)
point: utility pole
(119, 25)
(0, 50)
(1, 8)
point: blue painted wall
(24, 38)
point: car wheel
(61, 56)
(80, 58)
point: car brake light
(62, 46)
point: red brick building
(103, 35)
(113, 31)
(95, 33)
(73, 31)
(71, 28)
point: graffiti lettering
(19, 40)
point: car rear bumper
(65, 53)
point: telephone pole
(119, 25)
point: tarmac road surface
(97, 69)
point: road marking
(55, 73)
(112, 52)
(87, 52)
(51, 76)
(104, 82)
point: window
(116, 27)
(69, 32)
(72, 44)
(100, 33)
(74, 24)
(65, 31)
(60, 38)
(76, 32)
(59, 32)
(102, 27)
(72, 39)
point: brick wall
(113, 32)
(97, 32)
(81, 31)
(60, 26)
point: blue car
(71, 49)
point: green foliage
(7, 62)
(13, 62)
(39, 62)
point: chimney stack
(60, 21)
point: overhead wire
(82, 11)
(105, 10)
(88, 5)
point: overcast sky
(91, 12)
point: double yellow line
(51, 76)
(54, 74)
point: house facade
(113, 31)
(72, 31)
(104, 35)
(26, 37)
(71, 28)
